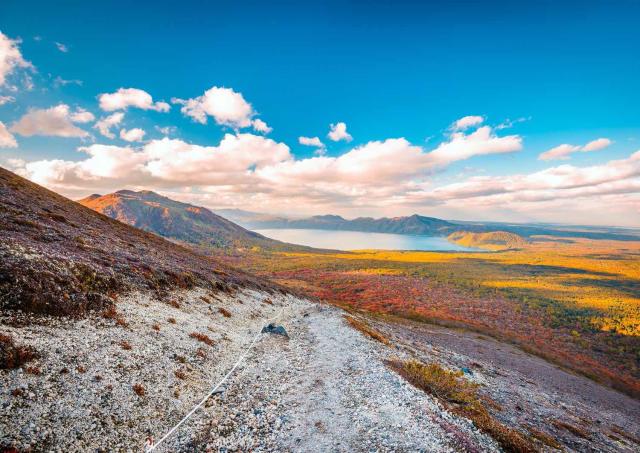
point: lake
(354, 240)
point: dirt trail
(327, 389)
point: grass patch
(224, 312)
(366, 329)
(461, 397)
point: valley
(113, 332)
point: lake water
(354, 240)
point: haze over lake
(355, 240)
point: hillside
(59, 257)
(110, 335)
(492, 240)
(175, 220)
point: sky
(503, 111)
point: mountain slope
(58, 257)
(172, 219)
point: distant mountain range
(415, 224)
(422, 225)
(230, 229)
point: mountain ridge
(175, 220)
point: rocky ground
(108, 384)
(532, 394)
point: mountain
(415, 224)
(431, 226)
(492, 240)
(59, 257)
(175, 220)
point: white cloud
(54, 121)
(6, 100)
(130, 97)
(253, 169)
(261, 126)
(467, 122)
(509, 123)
(82, 116)
(7, 140)
(560, 152)
(132, 135)
(59, 81)
(561, 182)
(311, 141)
(167, 130)
(105, 124)
(597, 145)
(61, 47)
(480, 142)
(339, 132)
(10, 58)
(227, 107)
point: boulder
(276, 330)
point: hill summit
(172, 219)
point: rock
(275, 330)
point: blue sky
(566, 71)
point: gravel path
(326, 389)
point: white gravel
(324, 389)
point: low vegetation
(202, 337)
(12, 355)
(576, 302)
(363, 327)
(139, 389)
(461, 397)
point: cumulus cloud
(252, 168)
(55, 121)
(561, 182)
(339, 132)
(132, 135)
(597, 145)
(226, 106)
(311, 141)
(105, 124)
(130, 97)
(82, 116)
(261, 126)
(467, 122)
(7, 140)
(10, 58)
(562, 152)
(481, 142)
